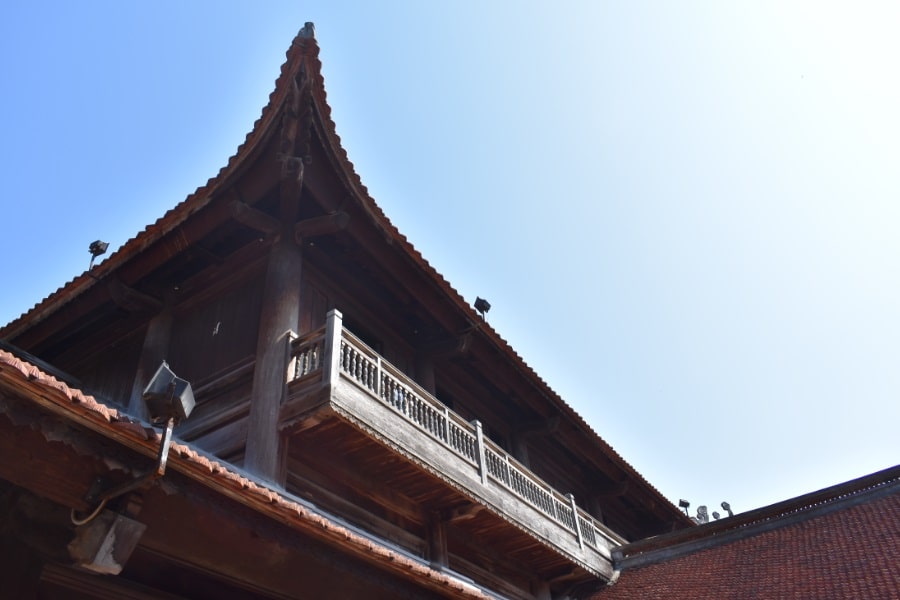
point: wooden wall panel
(217, 334)
(110, 374)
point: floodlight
(168, 396)
(482, 306)
(97, 248)
(169, 399)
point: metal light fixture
(104, 540)
(169, 399)
(684, 504)
(96, 249)
(482, 306)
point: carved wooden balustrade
(334, 355)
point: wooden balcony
(333, 376)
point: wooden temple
(359, 429)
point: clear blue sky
(685, 215)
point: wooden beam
(324, 225)
(130, 299)
(254, 219)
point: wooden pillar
(438, 555)
(279, 319)
(156, 346)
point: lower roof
(842, 542)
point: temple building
(269, 393)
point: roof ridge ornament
(308, 31)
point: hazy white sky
(685, 215)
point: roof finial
(308, 31)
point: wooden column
(156, 346)
(280, 317)
(437, 541)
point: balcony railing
(332, 353)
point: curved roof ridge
(303, 46)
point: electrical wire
(79, 522)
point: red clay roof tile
(29, 382)
(849, 553)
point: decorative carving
(296, 127)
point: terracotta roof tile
(849, 553)
(29, 382)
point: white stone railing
(312, 357)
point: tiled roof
(851, 552)
(27, 381)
